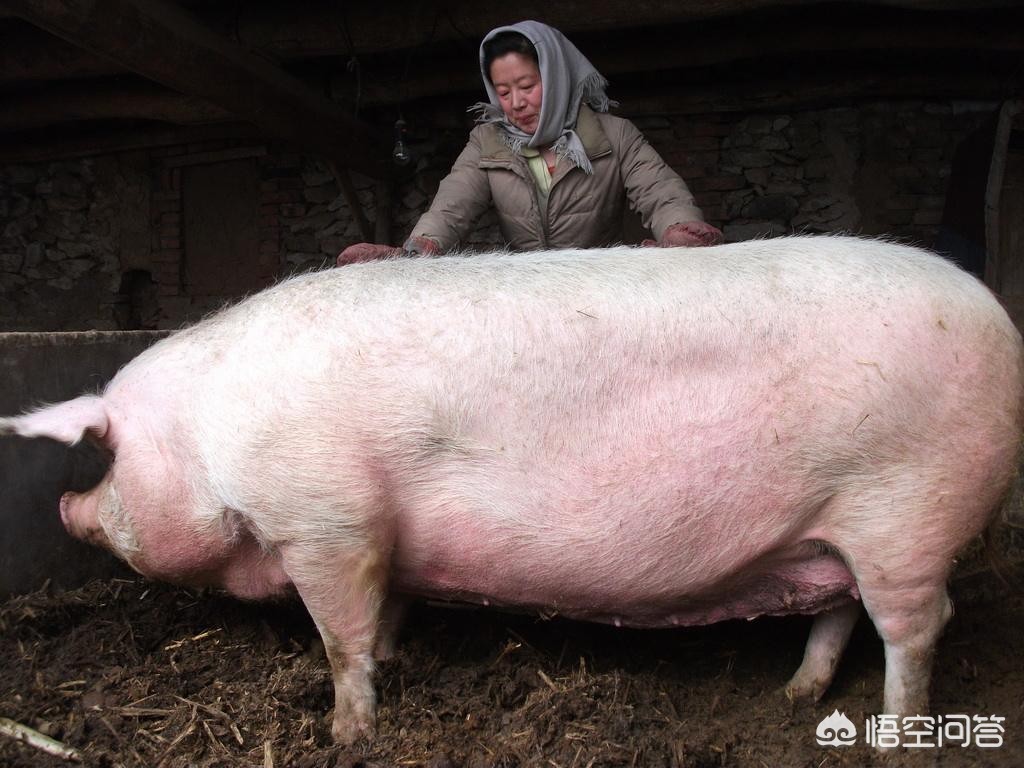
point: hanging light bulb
(400, 154)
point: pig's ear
(66, 422)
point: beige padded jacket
(583, 211)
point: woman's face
(516, 79)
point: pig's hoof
(805, 691)
(349, 729)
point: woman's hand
(367, 252)
(692, 234)
(414, 246)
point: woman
(558, 169)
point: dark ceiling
(86, 76)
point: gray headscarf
(568, 78)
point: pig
(640, 436)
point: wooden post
(994, 257)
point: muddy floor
(138, 674)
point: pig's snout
(78, 513)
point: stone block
(757, 176)
(307, 243)
(749, 158)
(758, 125)
(719, 183)
(322, 194)
(414, 200)
(74, 268)
(11, 262)
(771, 207)
(772, 142)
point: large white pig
(651, 437)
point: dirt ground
(134, 673)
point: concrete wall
(38, 368)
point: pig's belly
(799, 581)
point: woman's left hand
(692, 234)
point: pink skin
(516, 79)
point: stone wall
(66, 230)
(880, 169)
(101, 243)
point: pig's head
(96, 515)
(150, 509)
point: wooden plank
(996, 266)
(1011, 233)
(164, 43)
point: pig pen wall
(38, 368)
(151, 239)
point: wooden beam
(720, 44)
(822, 90)
(164, 43)
(316, 29)
(36, 147)
(30, 54)
(110, 100)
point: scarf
(568, 78)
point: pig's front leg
(343, 591)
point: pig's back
(763, 294)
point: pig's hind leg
(343, 591)
(909, 617)
(901, 560)
(829, 636)
(910, 635)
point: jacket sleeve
(461, 197)
(655, 191)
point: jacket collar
(588, 128)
